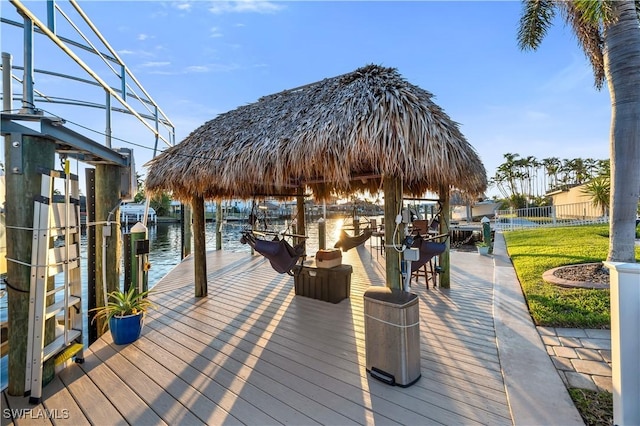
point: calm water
(164, 255)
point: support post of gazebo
(301, 226)
(186, 232)
(445, 259)
(392, 187)
(199, 247)
(219, 219)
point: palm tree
(551, 166)
(599, 190)
(609, 33)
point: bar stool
(379, 234)
(428, 271)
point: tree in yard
(599, 189)
(609, 33)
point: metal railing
(84, 45)
(549, 216)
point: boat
(477, 210)
(134, 212)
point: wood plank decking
(254, 353)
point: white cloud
(143, 37)
(214, 32)
(216, 67)
(197, 68)
(158, 68)
(155, 64)
(244, 6)
(183, 5)
(577, 74)
(126, 52)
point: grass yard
(536, 250)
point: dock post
(24, 156)
(322, 234)
(445, 257)
(392, 187)
(219, 220)
(107, 194)
(185, 220)
(136, 258)
(301, 227)
(199, 247)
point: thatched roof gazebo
(366, 130)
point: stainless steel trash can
(392, 335)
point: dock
(252, 352)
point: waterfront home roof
(340, 134)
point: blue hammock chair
(428, 250)
(281, 255)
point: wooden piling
(185, 220)
(199, 247)
(219, 220)
(301, 226)
(24, 157)
(107, 194)
(392, 187)
(445, 257)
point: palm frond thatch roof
(340, 134)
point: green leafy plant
(599, 189)
(121, 304)
(481, 244)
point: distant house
(574, 196)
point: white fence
(549, 216)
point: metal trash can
(392, 335)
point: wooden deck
(254, 353)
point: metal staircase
(55, 252)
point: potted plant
(483, 248)
(124, 314)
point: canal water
(165, 249)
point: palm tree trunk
(622, 69)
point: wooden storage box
(328, 258)
(327, 284)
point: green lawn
(537, 250)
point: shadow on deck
(254, 353)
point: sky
(198, 59)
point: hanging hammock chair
(282, 255)
(428, 250)
(346, 241)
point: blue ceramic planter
(126, 329)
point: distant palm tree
(552, 166)
(609, 33)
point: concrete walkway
(537, 394)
